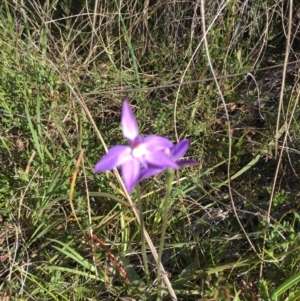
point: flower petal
(155, 143)
(115, 157)
(149, 172)
(184, 162)
(130, 127)
(130, 173)
(179, 149)
(160, 159)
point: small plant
(143, 158)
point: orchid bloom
(140, 153)
(175, 153)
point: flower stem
(144, 253)
(169, 180)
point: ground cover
(222, 74)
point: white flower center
(139, 151)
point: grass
(233, 222)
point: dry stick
(144, 253)
(29, 162)
(228, 127)
(286, 58)
(72, 187)
(280, 107)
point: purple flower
(175, 153)
(141, 152)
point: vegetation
(223, 74)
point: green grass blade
(281, 289)
(69, 252)
(34, 279)
(34, 134)
(72, 271)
